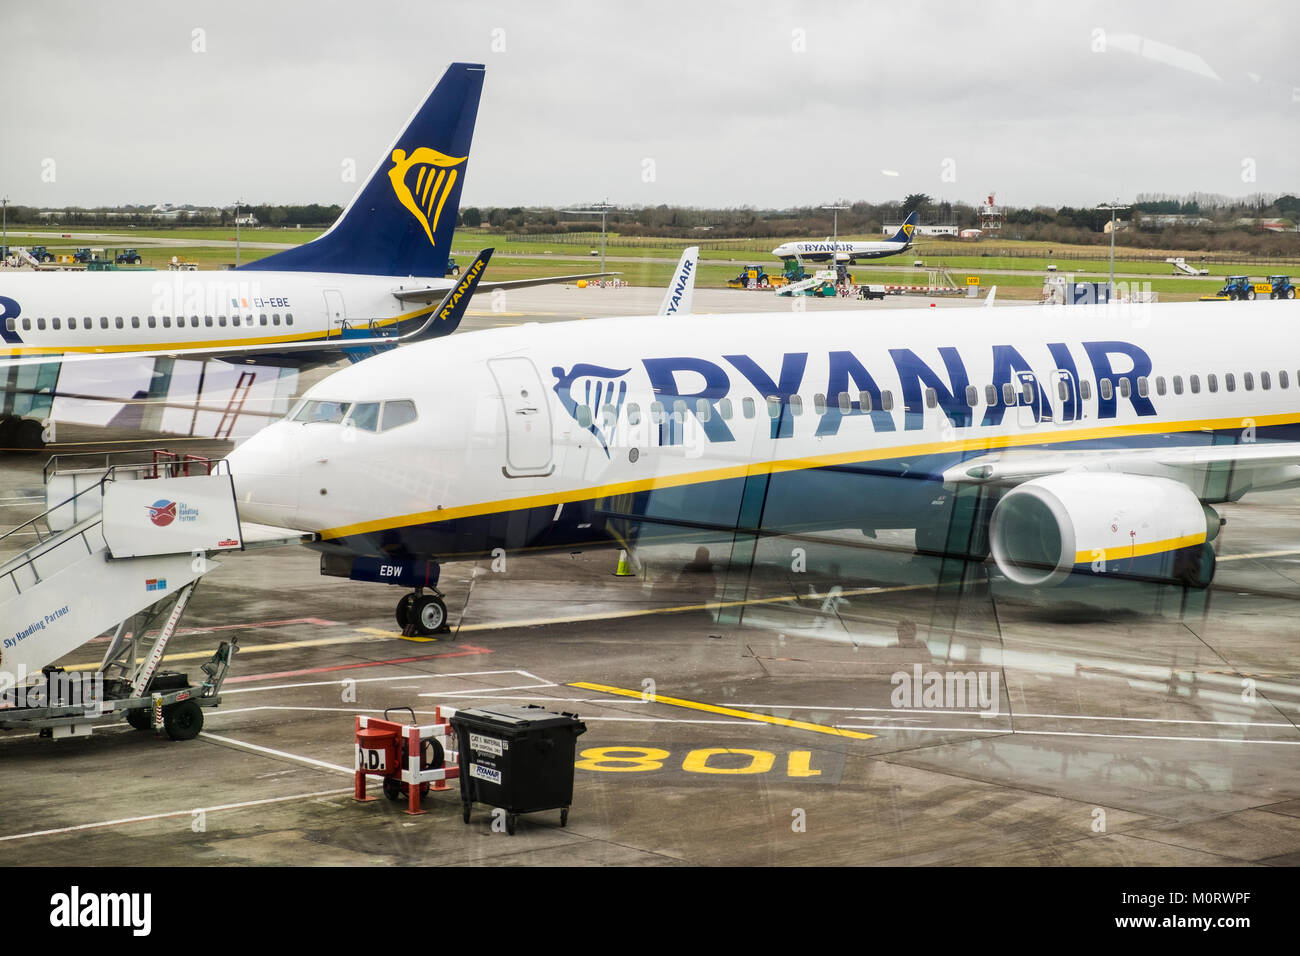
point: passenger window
(747, 407)
(398, 413)
(1144, 387)
(263, 318)
(153, 322)
(703, 410)
(584, 416)
(207, 321)
(1106, 391)
(1195, 382)
(1248, 381)
(365, 415)
(1212, 382)
(633, 413)
(972, 396)
(609, 415)
(1230, 382)
(288, 318)
(40, 324)
(819, 404)
(135, 321)
(1085, 389)
(194, 321)
(1008, 394)
(54, 324)
(275, 319)
(773, 407)
(657, 412)
(234, 321)
(1178, 385)
(845, 402)
(990, 394)
(1282, 381)
(103, 321)
(679, 410)
(1160, 384)
(887, 400)
(117, 321)
(864, 401)
(724, 408)
(27, 325)
(1027, 390)
(796, 405)
(931, 399)
(221, 321)
(1265, 382)
(1125, 389)
(1062, 390)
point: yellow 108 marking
(640, 759)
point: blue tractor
(1282, 287)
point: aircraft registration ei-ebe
(374, 279)
(1065, 442)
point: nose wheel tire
(404, 611)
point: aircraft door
(528, 418)
(336, 315)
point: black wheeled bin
(517, 758)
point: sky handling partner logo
(163, 512)
(600, 391)
(434, 176)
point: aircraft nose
(266, 470)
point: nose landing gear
(420, 614)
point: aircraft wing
(441, 321)
(426, 295)
(1230, 470)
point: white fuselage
(122, 312)
(534, 418)
(841, 251)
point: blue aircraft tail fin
(907, 230)
(401, 221)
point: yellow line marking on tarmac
(256, 648)
(725, 711)
(709, 606)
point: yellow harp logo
(907, 230)
(434, 176)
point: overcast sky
(686, 103)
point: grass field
(658, 256)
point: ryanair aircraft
(374, 279)
(1083, 441)
(850, 252)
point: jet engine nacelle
(1102, 524)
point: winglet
(681, 290)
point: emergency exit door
(528, 417)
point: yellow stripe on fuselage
(54, 352)
(1123, 551)
(801, 464)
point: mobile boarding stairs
(120, 548)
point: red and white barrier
(376, 753)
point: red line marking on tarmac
(469, 650)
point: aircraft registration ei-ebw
(1065, 442)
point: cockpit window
(322, 411)
(365, 415)
(398, 413)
